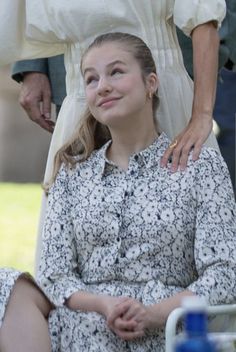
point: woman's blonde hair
(91, 134)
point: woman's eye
(116, 71)
(90, 80)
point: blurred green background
(19, 214)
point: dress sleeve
(215, 240)
(58, 273)
(20, 35)
(188, 14)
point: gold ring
(173, 144)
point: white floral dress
(144, 233)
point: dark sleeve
(36, 65)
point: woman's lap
(76, 331)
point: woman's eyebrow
(89, 69)
(116, 62)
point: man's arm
(35, 94)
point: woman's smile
(108, 102)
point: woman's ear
(152, 83)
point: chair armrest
(177, 314)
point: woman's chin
(112, 119)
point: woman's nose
(104, 86)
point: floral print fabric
(144, 233)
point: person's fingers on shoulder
(183, 161)
(181, 150)
(175, 160)
(185, 152)
(165, 158)
(197, 150)
(189, 143)
(193, 143)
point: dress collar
(149, 156)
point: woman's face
(115, 89)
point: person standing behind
(225, 106)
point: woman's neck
(128, 143)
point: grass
(19, 213)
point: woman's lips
(108, 102)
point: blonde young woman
(124, 239)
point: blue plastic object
(195, 338)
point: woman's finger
(125, 325)
(129, 335)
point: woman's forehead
(107, 53)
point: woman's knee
(26, 292)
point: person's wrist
(203, 112)
(32, 74)
(101, 306)
(27, 74)
(156, 318)
(202, 116)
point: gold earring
(150, 95)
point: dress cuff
(59, 292)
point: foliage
(19, 213)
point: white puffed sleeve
(188, 14)
(18, 32)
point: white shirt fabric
(32, 28)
